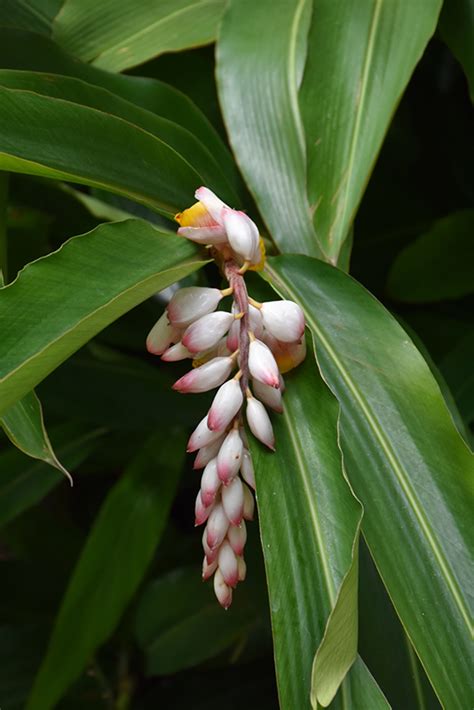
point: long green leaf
(41, 54)
(34, 15)
(23, 423)
(112, 564)
(456, 27)
(361, 54)
(262, 114)
(24, 482)
(119, 34)
(439, 264)
(309, 523)
(60, 301)
(406, 462)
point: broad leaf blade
(119, 34)
(456, 27)
(262, 114)
(60, 301)
(439, 264)
(405, 460)
(34, 15)
(23, 423)
(112, 564)
(303, 499)
(360, 57)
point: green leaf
(41, 54)
(119, 34)
(361, 55)
(23, 423)
(86, 134)
(303, 498)
(456, 27)
(179, 624)
(111, 566)
(34, 15)
(437, 265)
(457, 368)
(60, 301)
(405, 460)
(24, 482)
(262, 114)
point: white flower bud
(228, 565)
(208, 569)
(241, 232)
(201, 511)
(217, 525)
(237, 536)
(211, 555)
(222, 590)
(204, 378)
(284, 320)
(189, 304)
(232, 341)
(176, 352)
(262, 364)
(270, 396)
(246, 469)
(229, 456)
(233, 501)
(225, 406)
(256, 322)
(201, 436)
(210, 483)
(208, 452)
(206, 332)
(161, 335)
(249, 503)
(259, 422)
(211, 202)
(242, 569)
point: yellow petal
(261, 264)
(195, 216)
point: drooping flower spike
(243, 352)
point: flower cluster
(243, 352)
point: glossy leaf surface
(60, 301)
(112, 564)
(405, 460)
(312, 573)
(262, 114)
(361, 55)
(439, 264)
(119, 34)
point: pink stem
(237, 282)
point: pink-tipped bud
(208, 452)
(259, 422)
(211, 555)
(208, 569)
(232, 341)
(161, 335)
(241, 232)
(206, 332)
(284, 320)
(246, 469)
(242, 569)
(237, 537)
(211, 202)
(229, 457)
(210, 483)
(201, 511)
(233, 501)
(189, 304)
(175, 353)
(204, 378)
(204, 235)
(270, 396)
(201, 436)
(249, 503)
(228, 564)
(262, 364)
(222, 590)
(225, 405)
(217, 526)
(256, 322)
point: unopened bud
(229, 456)
(208, 569)
(246, 469)
(206, 332)
(210, 483)
(241, 232)
(217, 525)
(201, 436)
(161, 335)
(262, 364)
(201, 511)
(222, 590)
(259, 422)
(270, 396)
(233, 501)
(242, 569)
(249, 503)
(237, 536)
(175, 353)
(228, 565)
(284, 320)
(225, 405)
(204, 378)
(189, 304)
(208, 452)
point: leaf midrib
(397, 467)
